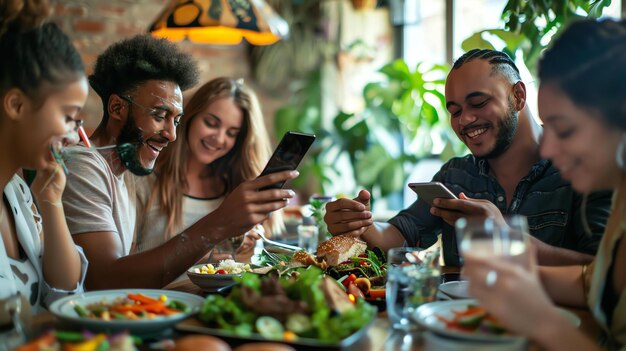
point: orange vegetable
(377, 293)
(40, 343)
(143, 299)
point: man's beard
(506, 131)
(128, 144)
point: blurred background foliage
(529, 26)
(404, 117)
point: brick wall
(93, 25)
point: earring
(620, 154)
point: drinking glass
(308, 235)
(488, 237)
(413, 276)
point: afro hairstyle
(129, 63)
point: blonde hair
(243, 162)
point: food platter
(193, 325)
(430, 316)
(456, 289)
(64, 309)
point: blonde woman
(222, 142)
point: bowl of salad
(212, 277)
(139, 311)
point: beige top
(152, 224)
(615, 230)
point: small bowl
(210, 282)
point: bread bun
(339, 248)
(200, 343)
(264, 346)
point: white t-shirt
(151, 227)
(97, 200)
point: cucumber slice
(298, 323)
(269, 328)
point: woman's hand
(513, 294)
(251, 203)
(49, 182)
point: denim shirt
(552, 207)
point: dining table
(378, 336)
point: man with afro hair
(140, 82)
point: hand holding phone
(431, 190)
(288, 154)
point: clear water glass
(307, 237)
(488, 237)
(413, 277)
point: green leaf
(392, 177)
(429, 113)
(512, 40)
(370, 164)
(476, 41)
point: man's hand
(247, 206)
(349, 217)
(452, 209)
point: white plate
(64, 309)
(456, 289)
(426, 315)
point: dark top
(552, 207)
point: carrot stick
(143, 299)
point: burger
(340, 248)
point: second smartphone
(288, 154)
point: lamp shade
(224, 22)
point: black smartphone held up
(288, 154)
(431, 190)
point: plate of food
(456, 289)
(465, 319)
(311, 311)
(361, 272)
(140, 311)
(210, 277)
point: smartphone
(288, 154)
(431, 190)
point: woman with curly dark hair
(582, 101)
(42, 89)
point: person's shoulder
(80, 157)
(18, 185)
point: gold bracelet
(583, 276)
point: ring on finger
(491, 278)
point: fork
(258, 229)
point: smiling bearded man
(504, 175)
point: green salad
(285, 308)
